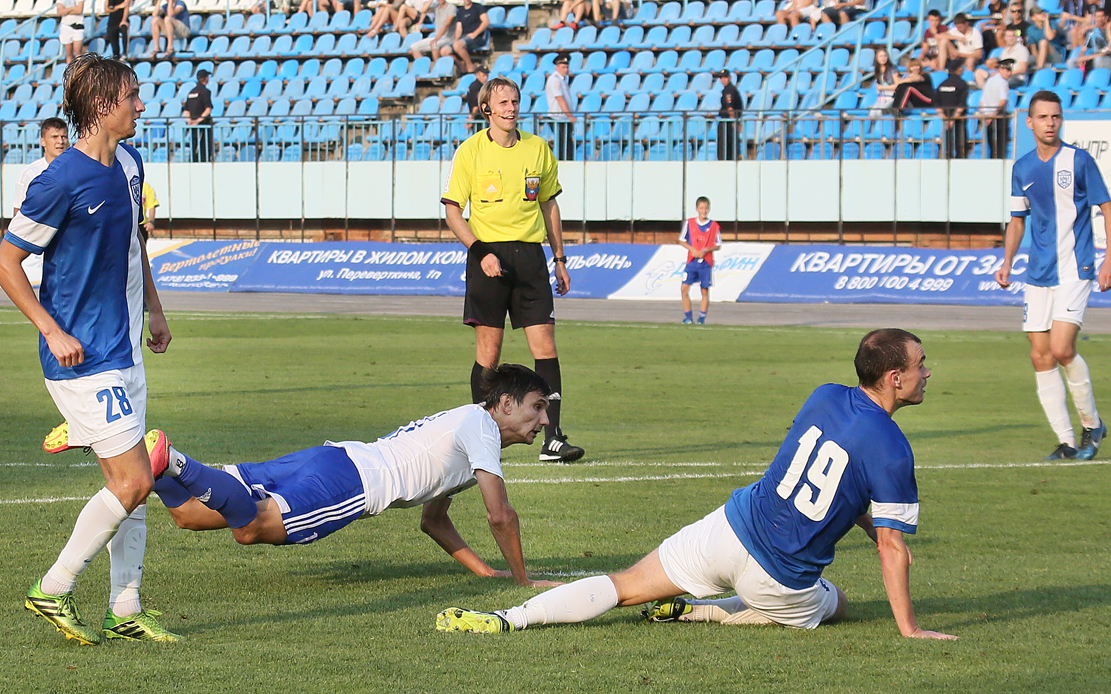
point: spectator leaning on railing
(951, 99)
(993, 109)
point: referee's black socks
(548, 369)
(477, 396)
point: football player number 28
(822, 476)
(112, 398)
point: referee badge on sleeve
(532, 188)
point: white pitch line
(628, 463)
(50, 500)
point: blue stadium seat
(325, 44)
(729, 36)
(752, 35)
(1087, 99)
(665, 62)
(875, 150)
(1072, 79)
(255, 24)
(632, 38)
(607, 38)
(354, 68)
(738, 61)
(541, 40)
(655, 37)
(690, 62)
(583, 38)
(667, 14)
(390, 44)
(234, 25)
(750, 83)
(762, 61)
(679, 37)
(776, 35)
(303, 45)
(340, 22)
(368, 107)
(1099, 78)
(310, 68)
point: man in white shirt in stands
(1014, 51)
(558, 91)
(305, 496)
(439, 44)
(71, 27)
(962, 41)
(993, 109)
(54, 138)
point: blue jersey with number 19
(83, 218)
(843, 453)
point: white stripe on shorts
(354, 505)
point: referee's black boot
(557, 450)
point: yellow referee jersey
(504, 186)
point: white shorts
(106, 411)
(706, 558)
(426, 44)
(809, 11)
(67, 34)
(1065, 302)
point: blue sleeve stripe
(20, 243)
(895, 525)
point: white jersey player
(305, 496)
(54, 139)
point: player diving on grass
(305, 496)
(1055, 186)
(772, 539)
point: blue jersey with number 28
(843, 453)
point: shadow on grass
(1000, 607)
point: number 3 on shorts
(824, 475)
(120, 395)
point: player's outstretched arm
(895, 564)
(505, 527)
(435, 522)
(156, 320)
(65, 348)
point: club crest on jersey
(136, 190)
(1064, 178)
(532, 188)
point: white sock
(1080, 386)
(126, 552)
(584, 599)
(1051, 393)
(95, 526)
(713, 610)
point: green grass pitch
(1011, 556)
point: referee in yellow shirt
(510, 179)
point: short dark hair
(52, 123)
(961, 18)
(934, 13)
(701, 199)
(93, 87)
(513, 380)
(881, 351)
(1044, 95)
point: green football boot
(61, 611)
(669, 610)
(458, 619)
(138, 627)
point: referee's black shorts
(524, 290)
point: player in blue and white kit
(306, 496)
(772, 539)
(1056, 186)
(82, 214)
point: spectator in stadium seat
(471, 99)
(951, 100)
(309, 7)
(844, 11)
(474, 25)
(576, 8)
(883, 79)
(795, 11)
(117, 29)
(1014, 51)
(71, 29)
(558, 92)
(929, 53)
(962, 40)
(1072, 22)
(411, 13)
(619, 9)
(913, 90)
(173, 24)
(385, 12)
(997, 10)
(1016, 22)
(993, 110)
(439, 43)
(198, 114)
(1097, 44)
(731, 108)
(1046, 42)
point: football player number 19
(823, 475)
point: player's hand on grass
(563, 280)
(923, 634)
(65, 348)
(491, 265)
(545, 584)
(1003, 276)
(160, 336)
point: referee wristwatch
(560, 259)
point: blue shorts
(318, 491)
(699, 273)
